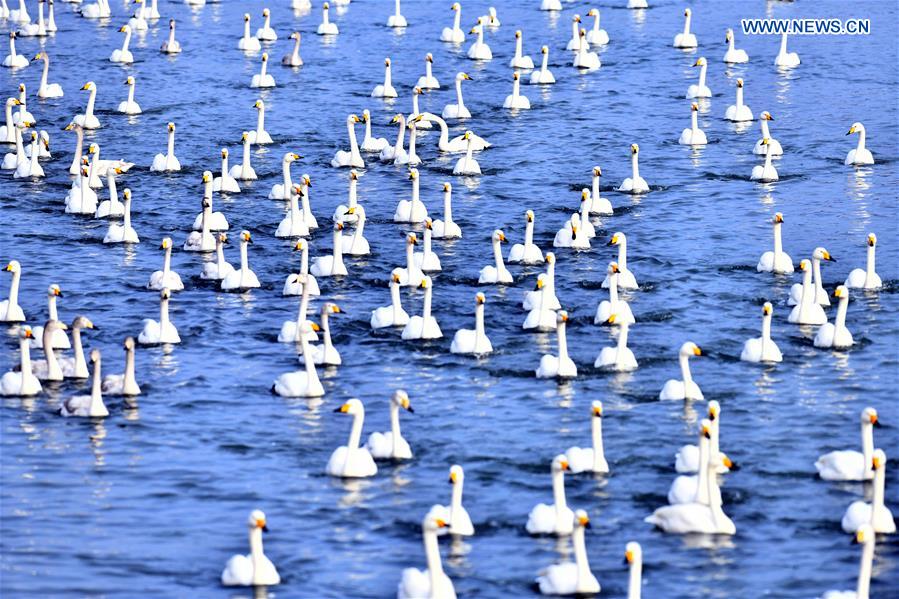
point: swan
(519, 61)
(202, 240)
(688, 458)
(166, 277)
(447, 228)
(850, 464)
(613, 305)
(561, 366)
(219, 269)
(31, 168)
(369, 143)
(260, 135)
(473, 341)
(76, 366)
(164, 330)
(75, 167)
(23, 116)
(167, 162)
(82, 199)
(733, 56)
(254, 569)
(700, 89)
(303, 383)
(13, 160)
(457, 110)
(123, 233)
(326, 27)
(396, 151)
(626, 278)
(761, 148)
(583, 58)
(19, 15)
(123, 54)
(545, 297)
(14, 60)
(454, 513)
(590, 459)
(242, 278)
(350, 460)
(126, 383)
(49, 368)
(325, 354)
(424, 326)
(543, 76)
(875, 514)
(541, 315)
(427, 260)
(866, 537)
(633, 556)
(860, 155)
(248, 43)
(686, 387)
(458, 144)
(694, 136)
(171, 45)
(396, 19)
(432, 583)
(293, 225)
(411, 211)
(97, 10)
(281, 191)
(574, 42)
(386, 89)
(637, 4)
(10, 310)
(412, 275)
(352, 158)
(139, 21)
(738, 112)
(292, 330)
(225, 183)
(555, 518)
(835, 334)
(293, 59)
(497, 272)
(587, 227)
(859, 278)
(820, 295)
(467, 165)
(391, 445)
(88, 120)
(807, 311)
(409, 158)
(491, 19)
(263, 78)
(393, 315)
(295, 283)
(88, 406)
(305, 185)
(635, 183)
(619, 358)
(341, 213)
(686, 39)
(553, 5)
(21, 383)
(528, 252)
(331, 266)
(356, 244)
(416, 120)
(266, 33)
(762, 349)
(479, 50)
(46, 90)
(516, 100)
(8, 131)
(776, 261)
(244, 171)
(695, 489)
(60, 339)
(596, 36)
(765, 173)
(784, 58)
(129, 106)
(454, 34)
(571, 578)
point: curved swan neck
(127, 41)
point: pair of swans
(391, 445)
(835, 334)
(733, 55)
(254, 569)
(694, 488)
(694, 136)
(21, 383)
(424, 326)
(626, 278)
(88, 406)
(167, 162)
(13, 160)
(42, 28)
(263, 79)
(874, 514)
(635, 183)
(393, 315)
(446, 228)
(303, 383)
(433, 581)
(864, 278)
(473, 341)
(685, 387)
(686, 39)
(123, 233)
(31, 167)
(10, 310)
(819, 295)
(573, 233)
(618, 358)
(571, 578)
(49, 368)
(351, 460)
(738, 112)
(785, 58)
(386, 89)
(98, 10)
(60, 339)
(584, 59)
(53, 368)
(542, 301)
(777, 260)
(860, 155)
(561, 366)
(326, 27)
(590, 459)
(527, 252)
(516, 100)
(613, 305)
(496, 272)
(808, 310)
(762, 349)
(163, 330)
(225, 182)
(281, 191)
(700, 89)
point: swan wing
(238, 571)
(857, 513)
(559, 579)
(542, 519)
(841, 465)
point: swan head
(872, 239)
(499, 236)
(265, 57)
(694, 107)
(468, 134)
(617, 239)
(411, 239)
(635, 149)
(562, 317)
(246, 17)
(401, 398)
(714, 410)
(448, 187)
(456, 6)
(518, 34)
(585, 195)
(739, 83)
(295, 36)
(352, 406)
(433, 524)
(480, 299)
(581, 519)
(700, 62)
(778, 217)
(257, 520)
(366, 115)
(597, 172)
(529, 215)
(413, 174)
(13, 266)
(354, 176)
(560, 463)
(266, 12)
(171, 127)
(39, 56)
(207, 177)
(596, 408)
(89, 86)
(462, 76)
(841, 292)
(544, 50)
(331, 308)
(386, 62)
(767, 309)
(326, 6)
(429, 224)
(246, 237)
(429, 57)
(583, 33)
(172, 24)
(516, 76)
(12, 35)
(869, 416)
(53, 325)
(300, 245)
(492, 13)
(611, 319)
(26, 332)
(593, 12)
(613, 268)
(729, 35)
(129, 344)
(124, 29)
(353, 119)
(864, 535)
(706, 428)
(291, 157)
(223, 238)
(397, 118)
(166, 243)
(476, 28)
(224, 152)
(687, 12)
(338, 227)
(822, 254)
(690, 349)
(879, 459)
(541, 282)
(456, 474)
(576, 19)
(54, 291)
(307, 181)
(425, 282)
(260, 105)
(126, 193)
(395, 277)
(93, 149)
(129, 80)
(856, 128)
(766, 116)
(550, 258)
(95, 356)
(805, 265)
(633, 553)
(418, 91)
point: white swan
(738, 111)
(293, 59)
(584, 58)
(164, 330)
(619, 358)
(490, 19)
(865, 537)
(866, 278)
(571, 578)
(412, 275)
(700, 89)
(386, 89)
(467, 165)
(784, 58)
(765, 173)
(586, 227)
(432, 582)
(19, 15)
(733, 56)
(266, 33)
(555, 518)
(685, 387)
(633, 556)
(427, 260)
(305, 185)
(242, 278)
(424, 326)
(292, 330)
(519, 61)
(516, 100)
(218, 269)
(21, 383)
(774, 145)
(350, 460)
(260, 135)
(479, 50)
(13, 160)
(47, 90)
(762, 349)
(411, 211)
(352, 158)
(391, 445)
(393, 315)
(626, 278)
(356, 244)
(635, 183)
(458, 110)
(281, 191)
(473, 341)
(410, 158)
(293, 225)
(171, 45)
(527, 252)
(247, 42)
(43, 148)
(807, 311)
(13, 59)
(426, 81)
(139, 21)
(202, 240)
(125, 383)
(458, 144)
(294, 283)
(10, 310)
(777, 260)
(123, 233)
(541, 315)
(835, 334)
(686, 39)
(49, 368)
(551, 5)
(497, 272)
(688, 459)
(446, 228)
(543, 76)
(31, 168)
(82, 199)
(694, 136)
(416, 120)
(875, 514)
(396, 19)
(695, 488)
(302, 383)
(98, 10)
(455, 514)
(454, 34)
(244, 171)
(88, 406)
(396, 151)
(167, 162)
(326, 27)
(860, 155)
(333, 265)
(561, 366)
(8, 131)
(263, 78)
(593, 458)
(129, 106)
(254, 569)
(613, 305)
(820, 295)
(224, 183)
(325, 354)
(596, 36)
(60, 339)
(123, 54)
(369, 143)
(88, 120)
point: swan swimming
(686, 387)
(31, 168)
(260, 136)
(516, 100)
(88, 120)
(123, 233)
(571, 578)
(393, 315)
(635, 183)
(765, 173)
(242, 278)
(543, 76)
(596, 36)
(784, 58)
(254, 569)
(88, 406)
(391, 445)
(427, 260)
(294, 331)
(303, 383)
(860, 155)
(333, 265)
(47, 90)
(733, 56)
(369, 143)
(14, 60)
(458, 110)
(164, 330)
(459, 143)
(859, 278)
(762, 349)
(590, 459)
(325, 354)
(467, 165)
(129, 106)
(820, 295)
(293, 59)
(296, 283)
(396, 19)
(60, 339)
(835, 334)
(171, 45)
(350, 460)
(446, 228)
(455, 514)
(479, 50)
(123, 54)
(125, 383)
(10, 310)
(352, 158)
(866, 537)
(561, 366)
(583, 58)
(396, 151)
(326, 27)
(424, 326)
(21, 383)
(541, 316)
(626, 278)
(281, 191)
(263, 78)
(738, 112)
(386, 89)
(49, 369)
(774, 145)
(619, 358)
(555, 518)
(776, 261)
(694, 488)
(688, 458)
(414, 210)
(700, 89)
(613, 305)
(807, 311)
(686, 39)
(432, 582)
(528, 252)
(428, 80)
(454, 34)
(694, 136)
(519, 61)
(497, 272)
(473, 341)
(266, 33)
(167, 162)
(874, 514)
(850, 464)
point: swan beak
(336, 309)
(697, 351)
(564, 317)
(769, 117)
(837, 292)
(874, 421)
(441, 523)
(584, 521)
(597, 412)
(423, 284)
(727, 462)
(851, 130)
(628, 557)
(452, 478)
(706, 433)
(564, 464)
(611, 319)
(57, 292)
(697, 63)
(29, 334)
(315, 327)
(396, 278)
(766, 310)
(466, 76)
(502, 237)
(827, 256)
(343, 409)
(875, 463)
(858, 539)
(530, 218)
(539, 285)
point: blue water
(152, 500)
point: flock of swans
(695, 502)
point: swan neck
(861, 141)
(260, 122)
(395, 301)
(529, 233)
(703, 494)
(14, 289)
(244, 265)
(387, 80)
(563, 342)
(840, 320)
(613, 290)
(448, 213)
(79, 349)
(479, 322)
(816, 272)
(766, 328)
(51, 307)
(783, 44)
(685, 372)
(459, 91)
(96, 386)
(622, 336)
(518, 47)
(44, 73)
(285, 172)
(246, 30)
(256, 552)
(635, 579)
(702, 72)
(171, 146)
(395, 427)
(864, 571)
(129, 369)
(457, 20)
(354, 146)
(544, 66)
(694, 120)
(25, 359)
(326, 329)
(596, 433)
(622, 254)
(400, 136)
(687, 25)
(432, 556)
(163, 313)
(127, 41)
(426, 310)
(356, 432)
(127, 219)
(444, 130)
(778, 241)
(497, 256)
(869, 264)
(580, 554)
(635, 166)
(739, 96)
(559, 491)
(765, 131)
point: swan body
(454, 34)
(21, 383)
(350, 460)
(555, 518)
(571, 578)
(590, 459)
(293, 225)
(835, 334)
(242, 278)
(49, 368)
(519, 61)
(414, 210)
(874, 514)
(167, 162)
(391, 445)
(686, 387)
(352, 158)
(859, 278)
(88, 120)
(13, 160)
(333, 265)
(424, 326)
(596, 36)
(295, 283)
(694, 136)
(700, 89)
(88, 406)
(294, 331)
(473, 341)
(765, 173)
(459, 143)
(619, 358)
(326, 27)
(738, 112)
(224, 183)
(455, 514)
(598, 204)
(820, 295)
(613, 305)
(688, 458)
(733, 55)
(10, 310)
(396, 152)
(626, 278)
(14, 60)
(60, 339)
(561, 366)
(762, 349)
(162, 331)
(527, 252)
(202, 240)
(411, 275)
(254, 569)
(776, 261)
(807, 311)
(266, 33)
(467, 165)
(123, 233)
(773, 145)
(447, 228)
(784, 58)
(496, 273)
(432, 583)
(82, 199)
(393, 315)
(852, 465)
(695, 489)
(220, 268)
(635, 183)
(860, 155)
(31, 168)
(126, 383)
(356, 244)
(263, 78)
(457, 110)
(396, 19)
(478, 50)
